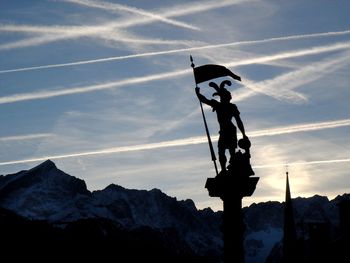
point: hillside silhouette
(85, 239)
(45, 209)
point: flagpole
(213, 157)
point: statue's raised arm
(202, 98)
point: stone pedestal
(231, 188)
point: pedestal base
(230, 185)
(231, 188)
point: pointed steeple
(289, 230)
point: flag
(211, 71)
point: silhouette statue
(234, 181)
(225, 111)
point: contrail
(295, 53)
(281, 86)
(167, 75)
(49, 94)
(179, 10)
(114, 36)
(39, 40)
(148, 54)
(114, 7)
(301, 128)
(150, 146)
(175, 11)
(56, 33)
(301, 163)
(194, 140)
(26, 137)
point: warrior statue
(225, 110)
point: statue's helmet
(221, 91)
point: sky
(105, 90)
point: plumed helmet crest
(216, 87)
(220, 90)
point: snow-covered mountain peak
(45, 166)
(42, 192)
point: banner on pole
(212, 71)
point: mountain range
(45, 208)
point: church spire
(289, 230)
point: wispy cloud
(26, 137)
(58, 33)
(302, 163)
(38, 40)
(281, 87)
(167, 75)
(115, 35)
(49, 94)
(334, 47)
(114, 7)
(198, 140)
(301, 128)
(293, 53)
(174, 11)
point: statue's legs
(232, 154)
(222, 158)
(226, 141)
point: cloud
(26, 137)
(301, 128)
(201, 139)
(114, 7)
(58, 33)
(290, 54)
(317, 50)
(115, 35)
(74, 90)
(264, 87)
(35, 41)
(174, 11)
(281, 87)
(301, 163)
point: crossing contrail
(58, 33)
(174, 11)
(114, 7)
(181, 50)
(167, 75)
(199, 140)
(281, 87)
